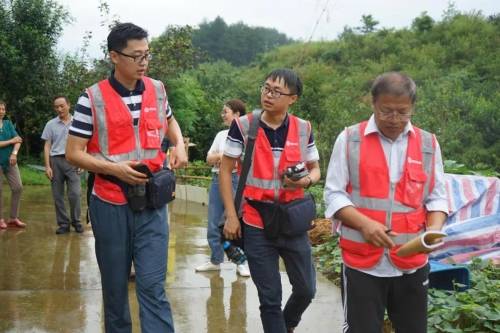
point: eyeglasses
(388, 114)
(273, 93)
(137, 58)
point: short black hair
(122, 33)
(394, 83)
(61, 96)
(291, 79)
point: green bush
(451, 166)
(329, 259)
(317, 193)
(474, 310)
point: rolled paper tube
(424, 243)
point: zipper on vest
(276, 182)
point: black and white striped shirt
(82, 125)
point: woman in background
(232, 109)
(10, 142)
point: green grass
(31, 176)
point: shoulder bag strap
(252, 134)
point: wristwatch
(14, 152)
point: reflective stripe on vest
(101, 126)
(356, 236)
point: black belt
(60, 155)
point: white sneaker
(243, 270)
(208, 266)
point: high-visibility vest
(399, 206)
(116, 139)
(265, 177)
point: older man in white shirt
(385, 184)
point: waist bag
(290, 219)
(156, 193)
(160, 189)
(136, 196)
(298, 216)
(271, 215)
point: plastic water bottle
(234, 253)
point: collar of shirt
(371, 127)
(70, 119)
(283, 125)
(121, 90)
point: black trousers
(366, 297)
(263, 260)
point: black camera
(297, 172)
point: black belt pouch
(160, 189)
(270, 214)
(298, 216)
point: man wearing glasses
(385, 184)
(117, 130)
(282, 141)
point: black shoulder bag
(247, 161)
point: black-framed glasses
(264, 90)
(137, 58)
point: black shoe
(78, 228)
(62, 230)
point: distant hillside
(455, 63)
(237, 43)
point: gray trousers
(16, 188)
(63, 172)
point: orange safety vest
(116, 139)
(264, 181)
(400, 205)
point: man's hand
(48, 173)
(178, 157)
(377, 234)
(232, 228)
(300, 183)
(125, 171)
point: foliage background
(454, 62)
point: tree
(423, 23)
(369, 24)
(28, 62)
(173, 53)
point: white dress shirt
(337, 178)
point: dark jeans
(263, 260)
(215, 213)
(120, 237)
(366, 297)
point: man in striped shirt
(118, 127)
